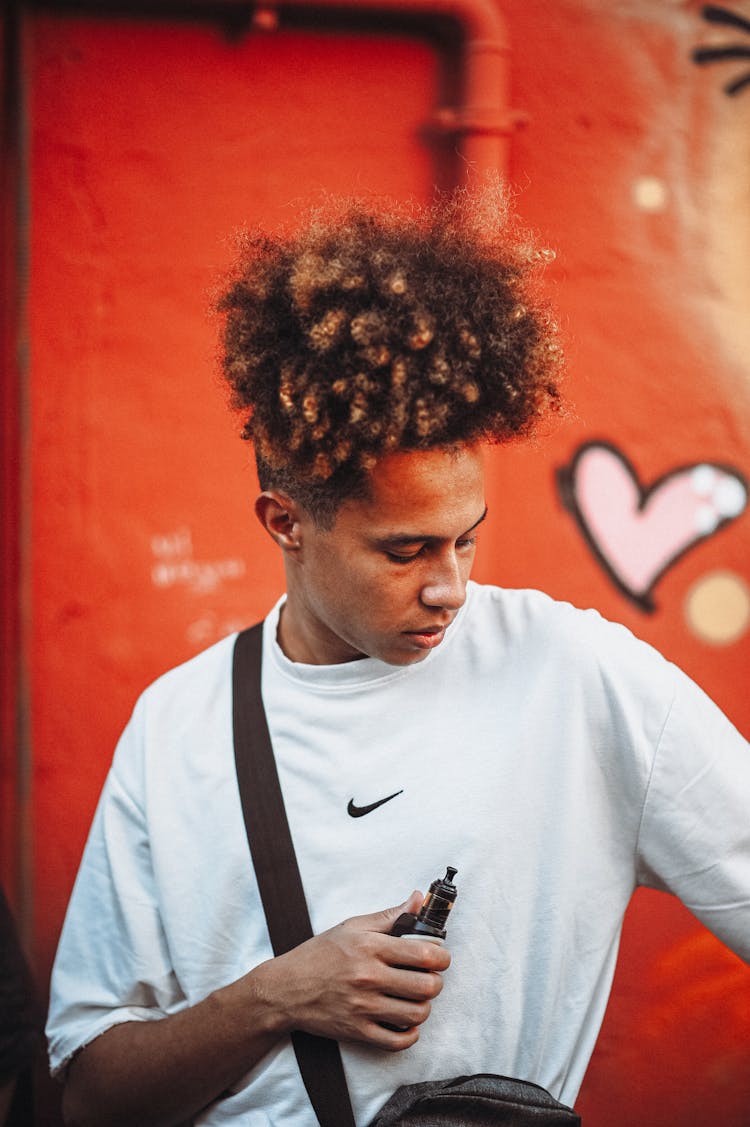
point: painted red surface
(151, 145)
(151, 142)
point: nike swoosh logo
(360, 811)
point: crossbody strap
(276, 869)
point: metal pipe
(483, 124)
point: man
(552, 758)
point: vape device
(429, 922)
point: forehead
(427, 493)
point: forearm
(353, 982)
(160, 1073)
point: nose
(446, 585)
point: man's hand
(340, 984)
(348, 981)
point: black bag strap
(276, 869)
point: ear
(281, 518)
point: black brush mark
(705, 55)
(712, 14)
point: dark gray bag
(473, 1101)
(466, 1101)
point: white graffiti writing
(174, 564)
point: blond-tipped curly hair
(397, 329)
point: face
(389, 577)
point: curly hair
(371, 331)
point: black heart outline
(565, 480)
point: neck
(302, 642)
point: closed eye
(399, 558)
(405, 558)
(421, 545)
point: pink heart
(638, 533)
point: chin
(401, 657)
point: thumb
(384, 921)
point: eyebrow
(403, 540)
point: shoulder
(532, 626)
(526, 611)
(192, 682)
(175, 715)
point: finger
(418, 953)
(414, 986)
(413, 903)
(392, 1040)
(399, 1014)
(384, 921)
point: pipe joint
(476, 121)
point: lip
(427, 638)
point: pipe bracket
(474, 121)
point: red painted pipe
(483, 124)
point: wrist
(254, 1004)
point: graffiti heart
(637, 532)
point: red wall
(145, 546)
(150, 142)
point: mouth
(427, 637)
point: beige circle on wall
(650, 193)
(717, 608)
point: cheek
(360, 596)
(390, 597)
(351, 588)
(346, 588)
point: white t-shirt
(553, 759)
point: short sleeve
(695, 831)
(112, 963)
